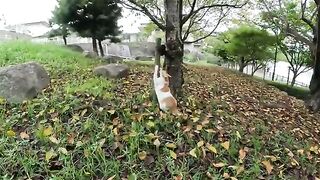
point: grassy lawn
(86, 127)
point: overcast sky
(23, 11)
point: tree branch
(304, 19)
(192, 11)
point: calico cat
(161, 85)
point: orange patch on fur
(165, 89)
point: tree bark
(65, 40)
(293, 81)
(242, 65)
(174, 45)
(314, 87)
(101, 48)
(275, 63)
(94, 45)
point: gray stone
(113, 59)
(144, 58)
(23, 81)
(113, 71)
(89, 54)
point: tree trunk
(94, 46)
(174, 56)
(314, 103)
(101, 48)
(293, 81)
(275, 63)
(65, 40)
(241, 65)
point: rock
(89, 54)
(113, 59)
(23, 81)
(115, 71)
(75, 48)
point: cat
(166, 100)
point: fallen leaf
(233, 178)
(199, 127)
(178, 178)
(157, 143)
(47, 131)
(211, 148)
(142, 155)
(49, 155)
(112, 177)
(219, 165)
(111, 112)
(173, 154)
(171, 145)
(226, 175)
(54, 140)
(268, 166)
(272, 158)
(240, 169)
(193, 153)
(11, 133)
(242, 154)
(150, 124)
(200, 143)
(86, 153)
(63, 151)
(132, 177)
(71, 138)
(101, 142)
(24, 135)
(226, 145)
(300, 151)
(238, 135)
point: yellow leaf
(226, 175)
(242, 154)
(212, 148)
(115, 131)
(71, 138)
(238, 135)
(240, 169)
(219, 165)
(272, 158)
(173, 154)
(171, 145)
(150, 124)
(54, 140)
(49, 155)
(210, 130)
(157, 143)
(300, 151)
(111, 112)
(200, 143)
(24, 135)
(226, 145)
(195, 119)
(86, 153)
(112, 177)
(63, 151)
(101, 142)
(48, 131)
(142, 155)
(11, 133)
(314, 149)
(193, 152)
(199, 127)
(233, 178)
(268, 166)
(294, 162)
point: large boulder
(22, 82)
(113, 71)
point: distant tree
(246, 45)
(61, 31)
(90, 18)
(298, 56)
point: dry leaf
(200, 143)
(300, 151)
(11, 133)
(240, 169)
(211, 148)
(112, 177)
(173, 154)
(226, 145)
(272, 158)
(268, 166)
(193, 152)
(199, 127)
(242, 154)
(233, 178)
(171, 145)
(63, 151)
(226, 175)
(157, 143)
(24, 135)
(238, 135)
(49, 155)
(71, 138)
(48, 131)
(219, 165)
(142, 155)
(54, 140)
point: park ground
(88, 127)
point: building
(33, 29)
(10, 35)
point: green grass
(298, 92)
(88, 127)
